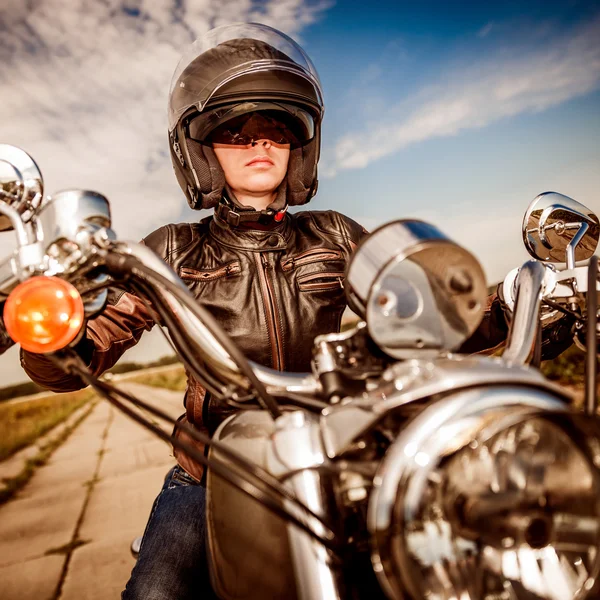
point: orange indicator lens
(43, 314)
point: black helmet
(233, 70)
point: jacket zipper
(310, 256)
(336, 279)
(231, 268)
(271, 312)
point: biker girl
(245, 114)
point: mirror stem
(591, 383)
(17, 223)
(583, 227)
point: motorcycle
(396, 468)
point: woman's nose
(265, 143)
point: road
(115, 379)
(67, 533)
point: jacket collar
(249, 238)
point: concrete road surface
(97, 490)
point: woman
(244, 130)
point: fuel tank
(249, 548)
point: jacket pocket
(226, 270)
(313, 255)
(316, 282)
(180, 478)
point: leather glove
(6, 341)
(557, 338)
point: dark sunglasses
(242, 131)
(283, 124)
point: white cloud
(485, 30)
(84, 87)
(508, 84)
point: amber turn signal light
(43, 314)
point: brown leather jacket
(272, 290)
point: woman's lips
(260, 161)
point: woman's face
(255, 169)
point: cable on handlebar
(198, 368)
(536, 359)
(561, 309)
(187, 354)
(201, 372)
(198, 436)
(183, 295)
(263, 493)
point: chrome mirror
(67, 224)
(66, 213)
(558, 229)
(21, 183)
(416, 289)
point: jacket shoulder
(333, 223)
(169, 240)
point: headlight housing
(489, 494)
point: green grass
(568, 368)
(22, 423)
(174, 379)
(14, 484)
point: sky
(456, 113)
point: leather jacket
(273, 290)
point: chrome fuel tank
(249, 548)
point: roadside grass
(14, 484)
(22, 423)
(171, 380)
(568, 368)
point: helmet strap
(230, 216)
(233, 213)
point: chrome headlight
(486, 495)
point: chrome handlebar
(557, 285)
(523, 330)
(70, 234)
(525, 289)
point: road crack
(76, 541)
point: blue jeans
(172, 564)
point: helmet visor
(228, 53)
(244, 123)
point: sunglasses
(285, 125)
(242, 131)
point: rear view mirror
(21, 183)
(558, 229)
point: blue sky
(456, 113)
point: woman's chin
(262, 184)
